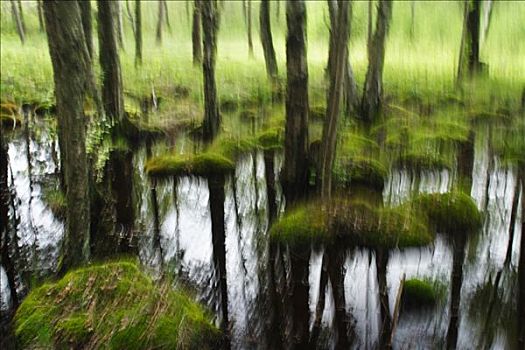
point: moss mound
(351, 223)
(111, 306)
(452, 212)
(204, 164)
(419, 293)
(423, 161)
(366, 172)
(56, 200)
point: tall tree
(210, 26)
(196, 34)
(249, 26)
(487, 16)
(294, 174)
(160, 20)
(112, 95)
(469, 63)
(119, 24)
(18, 23)
(373, 88)
(87, 25)
(267, 41)
(71, 68)
(339, 37)
(21, 13)
(138, 34)
(40, 15)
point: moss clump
(351, 223)
(452, 212)
(303, 225)
(317, 113)
(366, 172)
(271, 139)
(423, 161)
(419, 293)
(249, 115)
(56, 201)
(204, 164)
(111, 306)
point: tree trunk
(196, 34)
(120, 30)
(373, 88)
(166, 14)
(18, 22)
(40, 15)
(370, 25)
(138, 34)
(319, 308)
(336, 272)
(384, 306)
(160, 19)
(87, 25)
(469, 63)
(487, 16)
(267, 41)
(459, 244)
(521, 266)
(21, 14)
(340, 33)
(122, 185)
(249, 27)
(513, 217)
(112, 95)
(71, 67)
(210, 26)
(466, 163)
(295, 170)
(300, 292)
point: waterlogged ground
(178, 239)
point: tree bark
(459, 244)
(301, 312)
(87, 25)
(40, 15)
(112, 95)
(267, 41)
(384, 306)
(521, 265)
(18, 22)
(71, 67)
(166, 14)
(373, 88)
(21, 14)
(487, 16)
(339, 38)
(249, 27)
(469, 64)
(294, 173)
(160, 19)
(196, 34)
(138, 34)
(119, 25)
(210, 26)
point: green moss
(423, 161)
(366, 172)
(351, 223)
(249, 114)
(452, 212)
(111, 306)
(317, 113)
(304, 224)
(204, 164)
(271, 139)
(419, 293)
(56, 201)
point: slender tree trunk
(487, 16)
(21, 14)
(521, 265)
(294, 173)
(336, 273)
(384, 306)
(373, 87)
(459, 243)
(301, 313)
(18, 22)
(160, 19)
(267, 41)
(340, 32)
(87, 25)
(319, 309)
(119, 25)
(166, 14)
(112, 95)
(466, 163)
(196, 34)
(210, 26)
(71, 67)
(40, 15)
(412, 19)
(370, 27)
(513, 217)
(138, 33)
(249, 27)
(469, 63)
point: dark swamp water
(172, 229)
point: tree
(17, 21)
(196, 34)
(40, 15)
(21, 14)
(138, 34)
(373, 88)
(210, 26)
(469, 64)
(160, 20)
(71, 68)
(339, 51)
(87, 26)
(294, 173)
(120, 30)
(112, 95)
(248, 4)
(267, 41)
(487, 16)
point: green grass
(112, 306)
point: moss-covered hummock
(419, 293)
(351, 223)
(111, 306)
(366, 172)
(452, 212)
(423, 161)
(204, 164)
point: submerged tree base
(115, 306)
